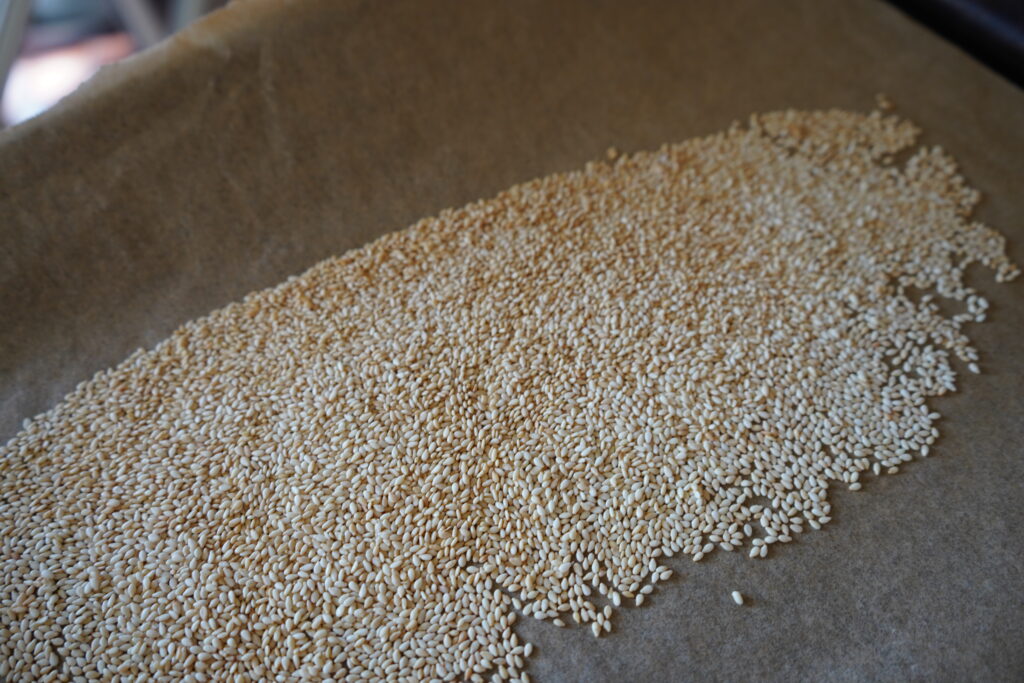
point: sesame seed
(737, 597)
(375, 469)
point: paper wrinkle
(273, 116)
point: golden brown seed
(539, 394)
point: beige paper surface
(275, 134)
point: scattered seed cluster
(518, 408)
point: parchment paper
(274, 134)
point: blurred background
(49, 47)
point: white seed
(496, 412)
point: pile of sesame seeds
(519, 408)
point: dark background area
(990, 30)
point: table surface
(272, 135)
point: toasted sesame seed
(368, 472)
